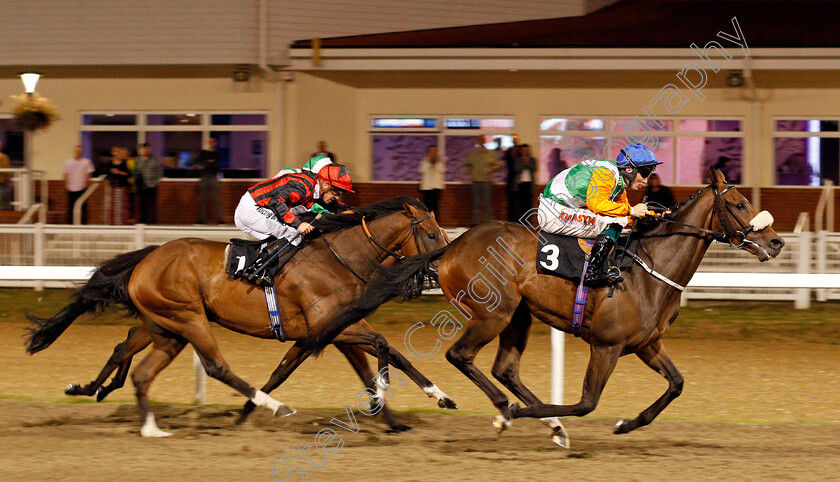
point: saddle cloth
(563, 256)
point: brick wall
(178, 201)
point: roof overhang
(553, 59)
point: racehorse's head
(427, 235)
(744, 227)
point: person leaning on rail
(589, 200)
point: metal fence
(63, 245)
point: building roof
(633, 24)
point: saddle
(243, 252)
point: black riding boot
(599, 273)
(257, 272)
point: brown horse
(178, 288)
(498, 297)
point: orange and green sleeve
(601, 186)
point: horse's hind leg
(164, 350)
(655, 357)
(138, 338)
(357, 359)
(512, 342)
(477, 334)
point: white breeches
(556, 218)
(261, 222)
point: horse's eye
(740, 206)
(432, 236)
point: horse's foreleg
(512, 344)
(356, 357)
(602, 360)
(137, 339)
(291, 360)
(655, 357)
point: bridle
(715, 235)
(414, 231)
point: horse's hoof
(622, 426)
(284, 410)
(502, 423)
(559, 434)
(400, 428)
(447, 403)
(101, 394)
(154, 432)
(73, 389)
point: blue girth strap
(580, 297)
(274, 313)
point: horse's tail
(405, 280)
(108, 285)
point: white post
(139, 236)
(39, 248)
(200, 379)
(803, 265)
(558, 358)
(822, 261)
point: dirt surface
(750, 410)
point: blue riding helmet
(636, 155)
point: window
(687, 147)
(806, 151)
(176, 138)
(400, 143)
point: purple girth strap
(580, 297)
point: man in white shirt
(77, 171)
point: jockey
(589, 200)
(270, 208)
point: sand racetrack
(756, 411)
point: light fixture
(30, 80)
(242, 73)
(735, 78)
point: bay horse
(178, 288)
(632, 321)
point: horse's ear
(717, 178)
(410, 210)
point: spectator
(525, 180)
(658, 197)
(481, 164)
(118, 177)
(5, 189)
(147, 174)
(322, 151)
(432, 172)
(208, 185)
(556, 163)
(77, 171)
(511, 158)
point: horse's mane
(328, 223)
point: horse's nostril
(776, 243)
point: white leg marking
(435, 392)
(381, 388)
(150, 428)
(262, 399)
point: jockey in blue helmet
(590, 200)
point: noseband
(414, 231)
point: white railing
(63, 245)
(23, 183)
